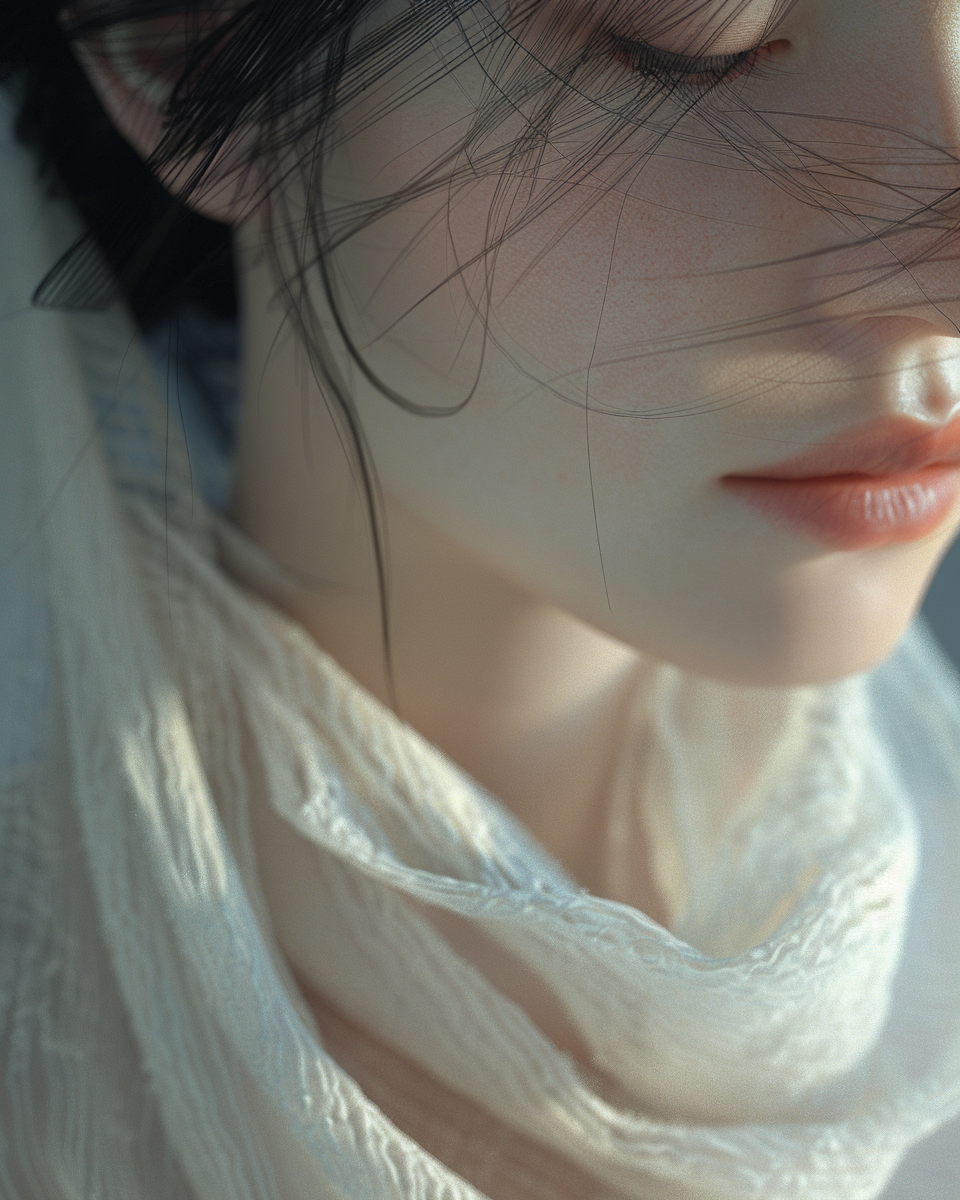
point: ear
(134, 91)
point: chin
(816, 624)
(806, 658)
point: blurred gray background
(942, 606)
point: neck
(528, 699)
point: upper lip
(889, 446)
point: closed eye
(671, 70)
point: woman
(527, 790)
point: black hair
(268, 85)
(120, 200)
(285, 69)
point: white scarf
(792, 1037)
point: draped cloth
(792, 1035)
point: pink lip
(892, 481)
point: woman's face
(690, 305)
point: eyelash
(673, 71)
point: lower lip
(856, 512)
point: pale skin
(530, 581)
(513, 648)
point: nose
(926, 375)
(893, 65)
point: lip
(892, 481)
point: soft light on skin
(542, 549)
(636, 538)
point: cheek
(605, 296)
(506, 480)
(524, 474)
(568, 311)
(509, 477)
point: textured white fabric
(790, 1039)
